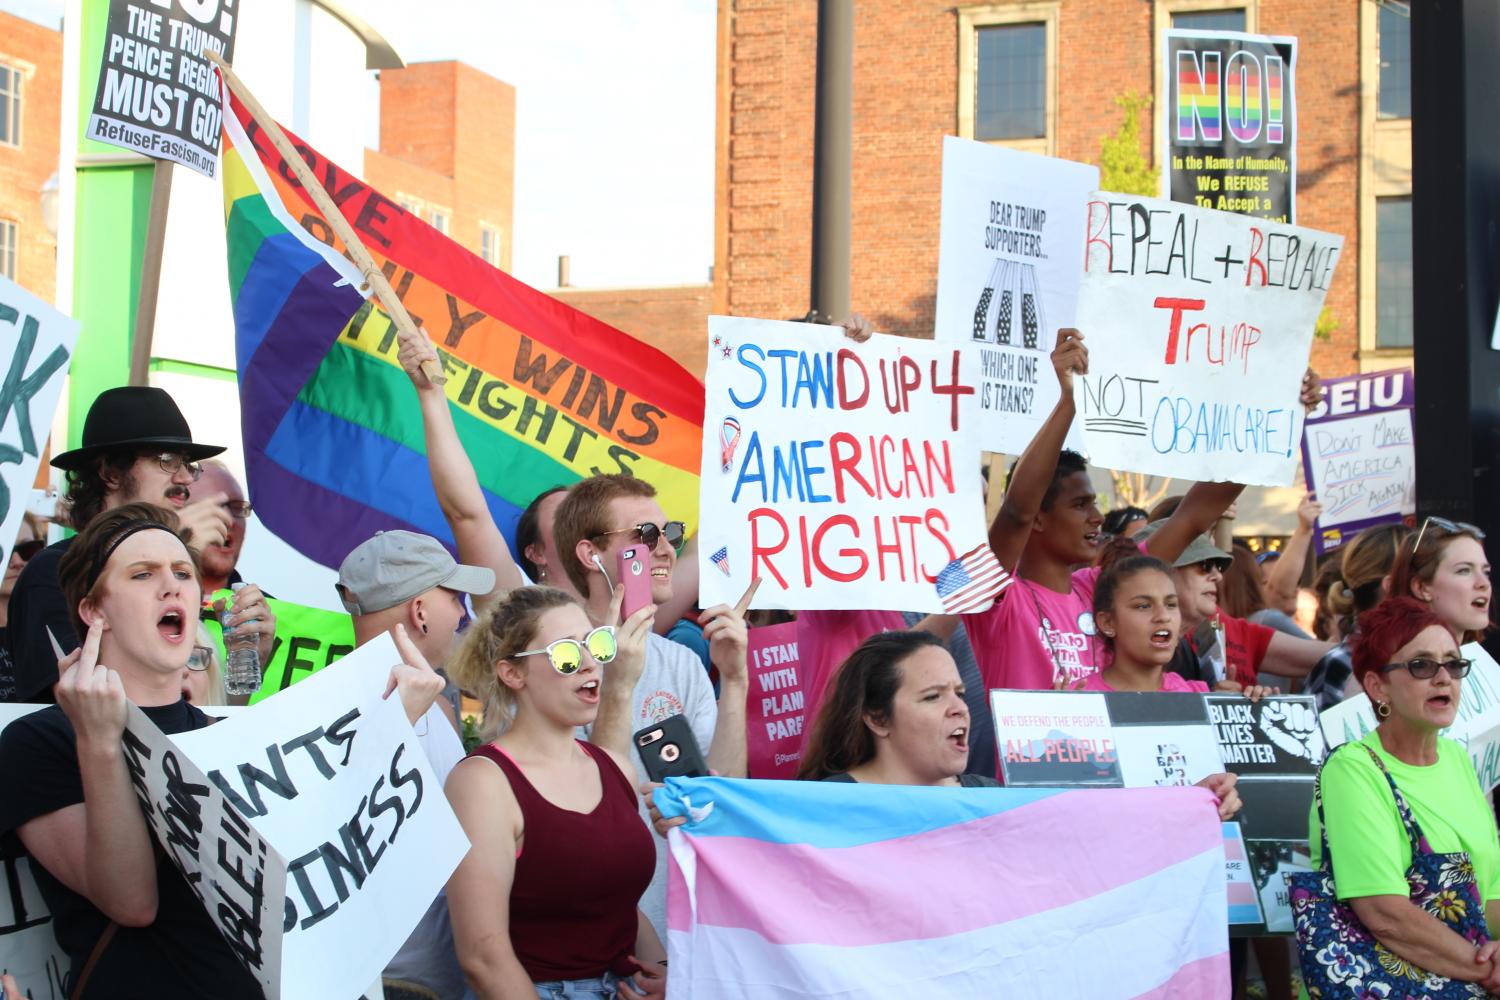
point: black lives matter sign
(158, 93)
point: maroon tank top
(579, 877)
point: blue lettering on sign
(793, 473)
(742, 355)
(1186, 427)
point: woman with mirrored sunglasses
(546, 899)
(1407, 661)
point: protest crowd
(571, 694)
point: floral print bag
(1341, 959)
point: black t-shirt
(7, 669)
(36, 605)
(181, 954)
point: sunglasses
(25, 550)
(566, 655)
(1210, 565)
(201, 657)
(649, 534)
(1424, 669)
(1449, 527)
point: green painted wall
(113, 204)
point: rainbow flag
(542, 394)
(787, 890)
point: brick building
(448, 153)
(672, 318)
(1043, 75)
(30, 100)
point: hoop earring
(1383, 709)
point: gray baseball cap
(395, 566)
(1198, 550)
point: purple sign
(1357, 454)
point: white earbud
(600, 564)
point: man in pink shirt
(1040, 633)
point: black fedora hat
(133, 416)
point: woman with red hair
(1407, 661)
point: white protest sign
(157, 93)
(1008, 274)
(1476, 726)
(36, 343)
(1358, 454)
(1199, 324)
(311, 825)
(28, 948)
(844, 475)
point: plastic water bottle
(242, 671)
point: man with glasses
(136, 445)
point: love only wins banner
(828, 463)
(1200, 324)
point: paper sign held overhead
(1359, 454)
(1201, 324)
(844, 475)
(1008, 274)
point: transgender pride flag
(784, 889)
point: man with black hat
(136, 446)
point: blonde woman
(545, 903)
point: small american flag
(972, 581)
(721, 559)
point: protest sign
(1358, 454)
(775, 717)
(37, 342)
(1118, 739)
(844, 476)
(1476, 725)
(307, 640)
(1008, 273)
(1206, 322)
(1231, 122)
(28, 947)
(157, 94)
(304, 826)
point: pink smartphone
(635, 574)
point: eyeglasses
(25, 550)
(1451, 527)
(201, 657)
(1221, 566)
(566, 655)
(1424, 669)
(238, 509)
(649, 534)
(171, 461)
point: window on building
(8, 236)
(1232, 19)
(410, 204)
(489, 244)
(10, 105)
(1010, 87)
(1395, 62)
(1393, 311)
(439, 219)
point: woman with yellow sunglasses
(546, 899)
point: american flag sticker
(721, 559)
(971, 582)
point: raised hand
(417, 684)
(728, 636)
(205, 521)
(1069, 358)
(1308, 511)
(90, 694)
(1312, 390)
(249, 613)
(857, 328)
(1293, 727)
(417, 356)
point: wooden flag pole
(374, 278)
(145, 303)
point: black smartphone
(669, 749)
